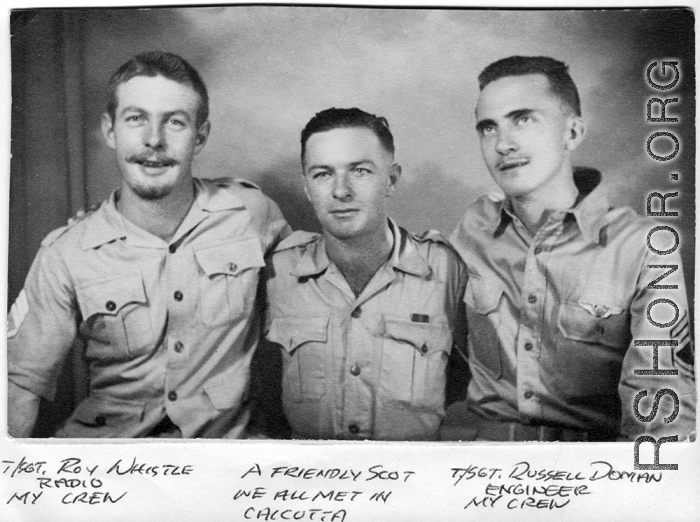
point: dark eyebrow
(514, 115)
(177, 113)
(131, 108)
(314, 167)
(167, 115)
(484, 123)
(361, 162)
(352, 165)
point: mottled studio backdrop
(269, 69)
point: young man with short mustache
(558, 282)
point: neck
(358, 259)
(160, 217)
(533, 209)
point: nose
(342, 188)
(154, 137)
(505, 142)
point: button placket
(528, 379)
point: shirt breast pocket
(304, 341)
(590, 349)
(482, 297)
(414, 361)
(229, 284)
(116, 317)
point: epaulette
(295, 239)
(431, 235)
(223, 181)
(247, 184)
(55, 234)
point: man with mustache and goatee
(160, 282)
(561, 284)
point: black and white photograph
(350, 262)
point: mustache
(150, 157)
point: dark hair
(155, 63)
(560, 82)
(348, 118)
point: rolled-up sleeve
(42, 325)
(660, 325)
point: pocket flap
(426, 338)
(108, 297)
(292, 332)
(483, 294)
(231, 258)
(578, 323)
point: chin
(153, 192)
(342, 233)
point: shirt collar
(592, 205)
(589, 210)
(107, 223)
(404, 256)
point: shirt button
(532, 298)
(354, 429)
(232, 267)
(528, 394)
(111, 306)
(600, 329)
(172, 249)
(528, 346)
(179, 347)
(538, 250)
(424, 349)
(357, 312)
(100, 420)
(355, 370)
(178, 295)
(172, 396)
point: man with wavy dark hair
(362, 313)
(559, 282)
(160, 282)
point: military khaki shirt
(371, 367)
(552, 318)
(169, 328)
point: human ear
(575, 132)
(108, 130)
(202, 136)
(393, 179)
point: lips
(155, 164)
(150, 162)
(344, 212)
(512, 163)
